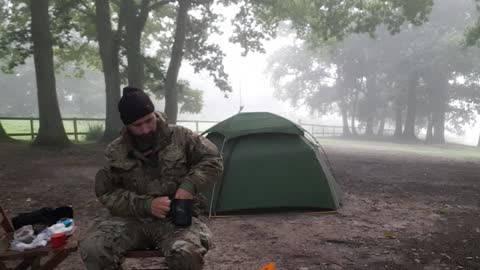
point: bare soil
(399, 212)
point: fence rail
(76, 127)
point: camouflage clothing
(105, 245)
(129, 183)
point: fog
(368, 157)
(367, 78)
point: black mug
(182, 212)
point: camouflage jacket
(128, 183)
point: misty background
(417, 78)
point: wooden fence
(77, 127)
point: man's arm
(119, 201)
(206, 164)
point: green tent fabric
(269, 163)
(250, 123)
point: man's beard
(144, 143)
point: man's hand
(160, 207)
(183, 194)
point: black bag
(46, 216)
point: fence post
(32, 132)
(313, 126)
(75, 128)
(196, 126)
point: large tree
(186, 38)
(390, 74)
(28, 29)
(171, 96)
(303, 78)
(109, 46)
(51, 130)
(318, 21)
(472, 37)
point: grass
(437, 150)
(23, 126)
(446, 150)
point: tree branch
(121, 21)
(117, 2)
(158, 4)
(143, 15)
(88, 10)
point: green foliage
(202, 54)
(451, 151)
(70, 27)
(324, 19)
(253, 24)
(94, 133)
(80, 56)
(472, 34)
(158, 31)
(432, 51)
(155, 75)
(191, 99)
(300, 76)
(15, 44)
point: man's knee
(90, 253)
(184, 255)
(89, 247)
(97, 253)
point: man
(150, 164)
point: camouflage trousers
(106, 243)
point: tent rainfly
(269, 163)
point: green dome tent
(269, 163)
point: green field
(23, 126)
(455, 151)
(446, 150)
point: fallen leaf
(389, 235)
(269, 266)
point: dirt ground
(399, 212)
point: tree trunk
(171, 94)
(371, 101)
(369, 127)
(343, 108)
(354, 112)
(478, 144)
(398, 118)
(430, 110)
(136, 63)
(440, 108)
(3, 135)
(135, 19)
(51, 131)
(439, 127)
(381, 126)
(409, 132)
(109, 47)
(429, 136)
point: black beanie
(134, 105)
